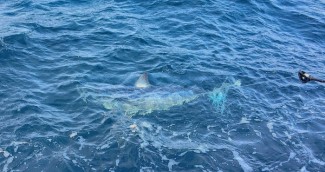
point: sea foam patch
(242, 163)
(270, 127)
(244, 120)
(5, 153)
(73, 134)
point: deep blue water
(59, 59)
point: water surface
(52, 50)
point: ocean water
(60, 60)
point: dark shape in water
(305, 77)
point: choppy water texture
(59, 59)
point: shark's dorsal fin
(143, 81)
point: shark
(147, 99)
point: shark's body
(148, 100)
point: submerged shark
(147, 99)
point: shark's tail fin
(218, 95)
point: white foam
(197, 151)
(274, 135)
(171, 163)
(104, 119)
(210, 126)
(65, 156)
(19, 143)
(123, 146)
(203, 148)
(258, 133)
(163, 157)
(145, 169)
(6, 154)
(303, 169)
(147, 125)
(159, 128)
(81, 142)
(104, 146)
(16, 145)
(311, 155)
(188, 136)
(270, 127)
(198, 166)
(287, 134)
(16, 148)
(117, 162)
(266, 169)
(292, 155)
(157, 144)
(5, 167)
(73, 134)
(39, 155)
(237, 83)
(223, 130)
(242, 163)
(144, 144)
(244, 120)
(182, 154)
